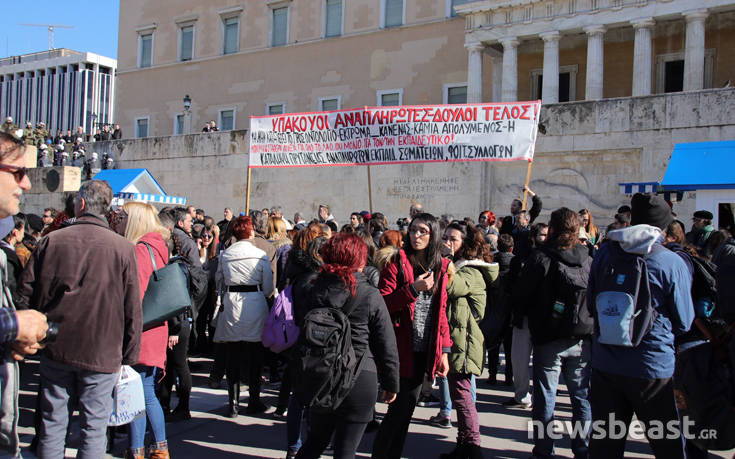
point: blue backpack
(622, 306)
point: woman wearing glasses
(414, 287)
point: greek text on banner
(394, 135)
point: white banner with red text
(396, 135)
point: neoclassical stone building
(613, 48)
(622, 82)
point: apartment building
(61, 87)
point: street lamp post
(187, 114)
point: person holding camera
(21, 331)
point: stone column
(595, 53)
(694, 51)
(550, 89)
(474, 72)
(497, 77)
(642, 57)
(510, 69)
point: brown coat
(85, 278)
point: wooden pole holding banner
(370, 190)
(525, 188)
(247, 193)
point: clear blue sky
(95, 26)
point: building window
(327, 104)
(231, 35)
(145, 50)
(227, 119)
(455, 93)
(390, 97)
(278, 108)
(670, 71)
(141, 127)
(279, 31)
(179, 120)
(453, 3)
(393, 12)
(186, 43)
(567, 83)
(333, 18)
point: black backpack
(325, 362)
(622, 305)
(569, 315)
(704, 385)
(704, 286)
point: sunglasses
(18, 172)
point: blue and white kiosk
(136, 185)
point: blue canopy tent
(707, 168)
(136, 185)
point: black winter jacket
(535, 289)
(372, 331)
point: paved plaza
(209, 434)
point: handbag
(128, 398)
(167, 294)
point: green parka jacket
(467, 296)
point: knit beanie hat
(650, 209)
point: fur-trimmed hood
(386, 256)
(489, 270)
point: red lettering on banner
(427, 114)
(524, 115)
(515, 112)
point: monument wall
(589, 147)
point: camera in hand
(52, 333)
(402, 223)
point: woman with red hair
(341, 282)
(245, 279)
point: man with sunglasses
(20, 330)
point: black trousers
(245, 355)
(652, 401)
(493, 354)
(219, 364)
(391, 436)
(347, 422)
(177, 365)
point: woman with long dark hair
(341, 281)
(414, 287)
(467, 298)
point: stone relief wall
(588, 148)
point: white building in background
(60, 87)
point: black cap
(704, 215)
(650, 209)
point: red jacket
(400, 302)
(153, 342)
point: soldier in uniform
(8, 125)
(41, 133)
(29, 134)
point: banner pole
(247, 193)
(370, 189)
(525, 189)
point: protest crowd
(347, 316)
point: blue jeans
(60, 385)
(445, 401)
(572, 357)
(293, 423)
(153, 411)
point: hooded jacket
(466, 300)
(395, 281)
(536, 289)
(671, 285)
(152, 342)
